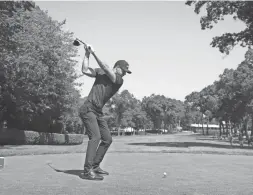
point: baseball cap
(123, 65)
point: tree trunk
(235, 128)
(220, 127)
(1, 125)
(241, 128)
(226, 122)
(118, 125)
(246, 128)
(223, 129)
(251, 133)
(230, 127)
(144, 129)
(207, 132)
(203, 132)
(118, 132)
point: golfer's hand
(90, 49)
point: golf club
(78, 42)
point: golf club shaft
(85, 45)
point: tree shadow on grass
(189, 144)
(207, 139)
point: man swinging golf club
(107, 82)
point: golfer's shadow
(77, 172)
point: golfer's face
(121, 72)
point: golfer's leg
(106, 140)
(92, 129)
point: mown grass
(173, 143)
(130, 174)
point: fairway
(130, 173)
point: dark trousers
(100, 139)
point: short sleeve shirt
(103, 89)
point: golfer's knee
(108, 141)
(96, 138)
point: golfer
(107, 82)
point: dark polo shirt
(102, 90)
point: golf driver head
(76, 43)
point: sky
(162, 41)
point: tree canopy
(217, 11)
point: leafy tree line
(230, 98)
(37, 78)
(152, 112)
(36, 70)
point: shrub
(12, 136)
(56, 139)
(51, 139)
(31, 137)
(20, 137)
(74, 139)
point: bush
(73, 123)
(20, 137)
(31, 137)
(52, 138)
(74, 139)
(12, 136)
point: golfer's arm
(108, 71)
(85, 66)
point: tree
(229, 99)
(139, 118)
(243, 77)
(190, 116)
(37, 69)
(197, 102)
(155, 107)
(119, 104)
(164, 112)
(7, 9)
(216, 11)
(225, 91)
